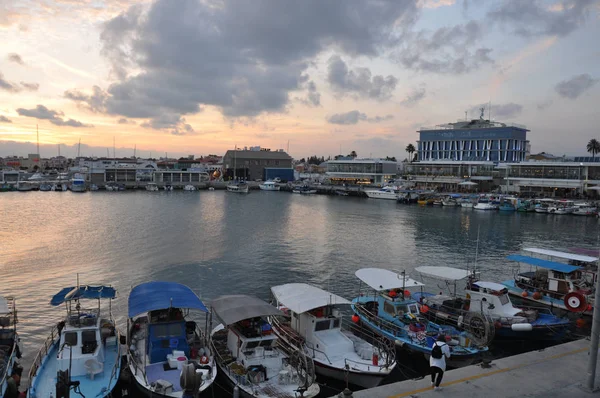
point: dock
(558, 371)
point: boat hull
(269, 187)
(360, 379)
(376, 194)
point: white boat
(543, 205)
(152, 187)
(562, 207)
(449, 201)
(77, 185)
(584, 209)
(388, 192)
(9, 348)
(37, 177)
(84, 348)
(25, 186)
(485, 204)
(94, 187)
(63, 187)
(111, 187)
(238, 187)
(169, 355)
(189, 187)
(304, 190)
(269, 186)
(315, 325)
(45, 187)
(252, 357)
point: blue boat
(392, 313)
(82, 354)
(558, 286)
(491, 301)
(9, 347)
(169, 355)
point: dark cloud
(543, 105)
(358, 81)
(314, 97)
(415, 96)
(96, 102)
(54, 117)
(30, 86)
(499, 111)
(4, 119)
(536, 18)
(8, 86)
(575, 86)
(174, 123)
(353, 117)
(125, 121)
(16, 58)
(244, 58)
(445, 50)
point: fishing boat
(484, 203)
(9, 341)
(82, 352)
(340, 349)
(526, 206)
(168, 187)
(251, 356)
(584, 209)
(451, 200)
(189, 188)
(152, 187)
(111, 187)
(564, 287)
(391, 312)
(340, 192)
(238, 187)
(169, 355)
(94, 187)
(25, 186)
(562, 207)
(77, 185)
(45, 187)
(489, 300)
(388, 192)
(542, 205)
(304, 190)
(269, 186)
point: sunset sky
(201, 76)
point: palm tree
(410, 148)
(593, 147)
(353, 154)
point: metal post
(594, 340)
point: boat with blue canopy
(489, 300)
(392, 312)
(558, 286)
(169, 355)
(83, 353)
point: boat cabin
(491, 298)
(167, 331)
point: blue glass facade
(492, 144)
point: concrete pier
(558, 371)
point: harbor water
(221, 243)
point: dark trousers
(435, 371)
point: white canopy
(382, 279)
(490, 285)
(4, 306)
(596, 188)
(301, 297)
(449, 273)
(567, 256)
(467, 183)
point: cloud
(175, 124)
(575, 86)
(12, 87)
(358, 81)
(415, 96)
(543, 105)
(244, 58)
(54, 117)
(4, 119)
(353, 117)
(313, 97)
(30, 86)
(16, 58)
(95, 102)
(125, 121)
(499, 111)
(536, 18)
(445, 50)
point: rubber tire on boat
(575, 302)
(481, 330)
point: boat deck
(44, 384)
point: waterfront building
(361, 171)
(474, 140)
(257, 163)
(446, 175)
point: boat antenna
(38, 142)
(476, 249)
(490, 111)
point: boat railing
(13, 353)
(378, 322)
(42, 353)
(83, 317)
(117, 364)
(382, 344)
(296, 340)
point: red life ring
(575, 302)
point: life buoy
(575, 302)
(204, 359)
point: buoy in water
(355, 318)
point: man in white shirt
(437, 366)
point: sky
(181, 77)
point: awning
(153, 296)
(554, 266)
(383, 279)
(234, 308)
(300, 297)
(448, 273)
(566, 256)
(470, 183)
(83, 292)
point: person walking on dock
(437, 361)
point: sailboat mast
(38, 141)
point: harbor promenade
(558, 371)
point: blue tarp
(84, 292)
(153, 296)
(559, 267)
